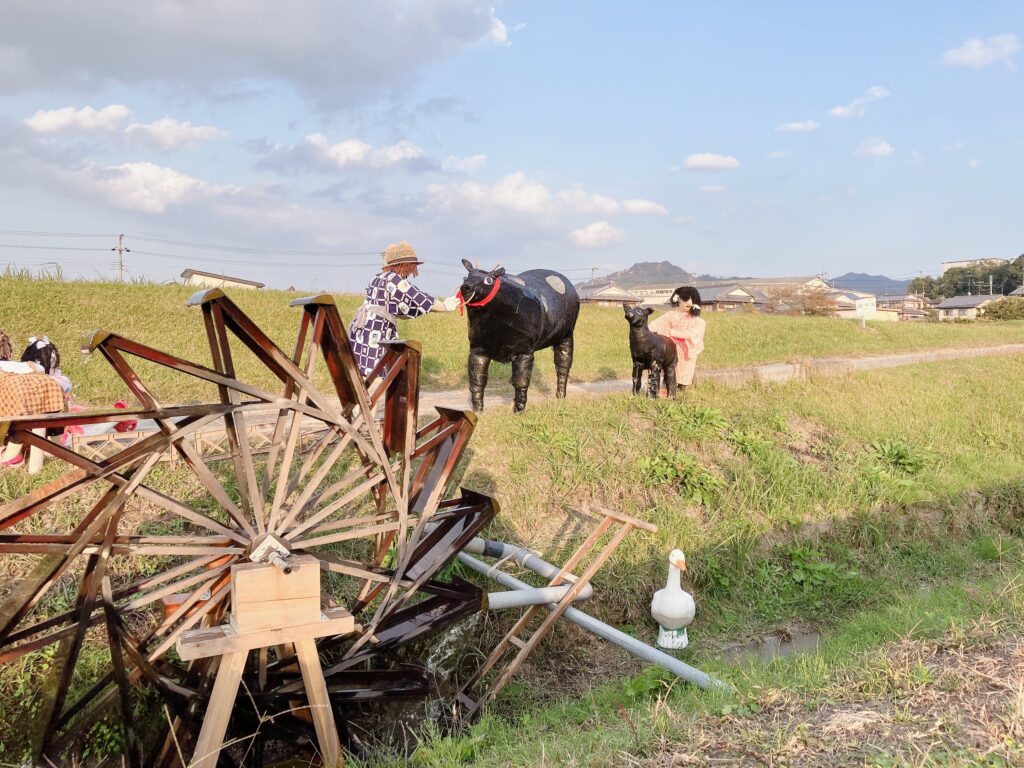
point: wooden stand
(269, 608)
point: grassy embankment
(156, 315)
(885, 509)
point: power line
(50, 247)
(33, 233)
(244, 249)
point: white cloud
(973, 163)
(109, 118)
(708, 161)
(144, 187)
(316, 152)
(712, 188)
(577, 200)
(778, 155)
(979, 53)
(167, 133)
(596, 235)
(396, 154)
(337, 54)
(514, 193)
(499, 32)
(342, 154)
(952, 147)
(857, 107)
(644, 207)
(463, 165)
(518, 194)
(804, 127)
(874, 147)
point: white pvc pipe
(626, 642)
(521, 597)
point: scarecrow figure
(390, 296)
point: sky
(291, 142)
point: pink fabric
(687, 332)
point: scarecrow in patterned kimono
(390, 296)
(684, 325)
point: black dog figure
(651, 352)
(510, 318)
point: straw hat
(402, 253)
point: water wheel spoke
(336, 504)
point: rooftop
(189, 272)
(968, 302)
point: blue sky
(730, 138)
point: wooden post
(269, 608)
(218, 712)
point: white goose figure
(672, 607)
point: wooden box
(263, 597)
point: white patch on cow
(516, 279)
(556, 283)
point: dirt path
(772, 372)
(923, 704)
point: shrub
(1010, 308)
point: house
(911, 306)
(770, 286)
(202, 279)
(965, 307)
(605, 293)
(857, 305)
(1018, 291)
(904, 301)
(727, 298)
(653, 294)
(948, 265)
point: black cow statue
(510, 318)
(651, 352)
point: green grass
(895, 666)
(68, 311)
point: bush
(1010, 308)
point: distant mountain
(649, 272)
(877, 284)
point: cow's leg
(638, 377)
(670, 380)
(479, 363)
(654, 380)
(522, 369)
(563, 362)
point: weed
(898, 458)
(696, 483)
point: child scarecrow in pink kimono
(390, 296)
(684, 325)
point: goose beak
(679, 562)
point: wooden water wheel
(115, 560)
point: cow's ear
(625, 306)
(467, 264)
(650, 311)
(498, 272)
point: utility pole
(593, 273)
(121, 251)
(990, 285)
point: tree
(1003, 278)
(1010, 308)
(796, 301)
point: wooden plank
(319, 703)
(218, 712)
(214, 641)
(260, 582)
(272, 614)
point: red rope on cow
(483, 302)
